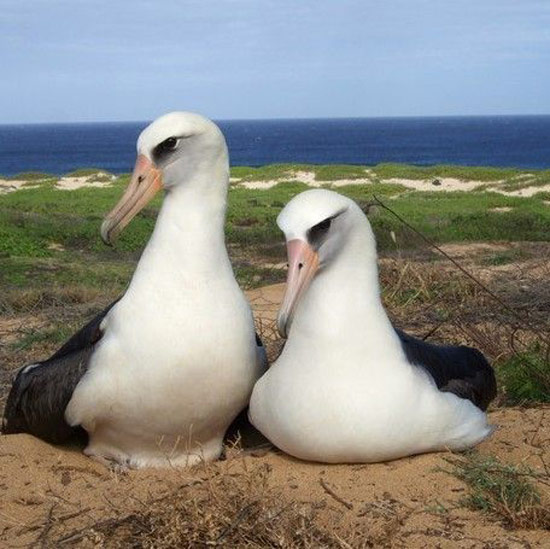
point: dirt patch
(525, 191)
(54, 496)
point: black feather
(461, 370)
(38, 397)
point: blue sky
(76, 60)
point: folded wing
(40, 392)
(461, 370)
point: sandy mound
(10, 185)
(66, 183)
(99, 179)
(441, 184)
(55, 496)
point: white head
(319, 226)
(171, 152)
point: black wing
(40, 392)
(461, 370)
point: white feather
(178, 358)
(342, 389)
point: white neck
(342, 306)
(187, 245)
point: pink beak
(146, 181)
(303, 262)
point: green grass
(266, 173)
(85, 172)
(502, 490)
(525, 377)
(505, 257)
(30, 176)
(286, 172)
(487, 174)
(538, 178)
(339, 171)
(35, 223)
(465, 173)
(55, 336)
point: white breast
(339, 408)
(178, 358)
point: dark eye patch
(317, 234)
(164, 148)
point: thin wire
(499, 300)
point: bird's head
(319, 226)
(171, 151)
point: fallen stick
(333, 494)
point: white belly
(344, 414)
(164, 392)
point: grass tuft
(525, 377)
(502, 490)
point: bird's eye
(169, 144)
(318, 232)
(165, 147)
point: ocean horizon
(520, 141)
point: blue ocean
(506, 141)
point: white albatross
(348, 387)
(157, 377)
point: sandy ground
(54, 496)
(99, 179)
(10, 185)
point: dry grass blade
(229, 510)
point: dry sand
(10, 185)
(98, 179)
(53, 496)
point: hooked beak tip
(106, 235)
(282, 327)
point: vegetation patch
(86, 172)
(538, 178)
(464, 173)
(237, 510)
(525, 377)
(30, 176)
(505, 491)
(269, 172)
(333, 172)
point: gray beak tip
(105, 233)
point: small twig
(332, 493)
(432, 331)
(41, 539)
(238, 519)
